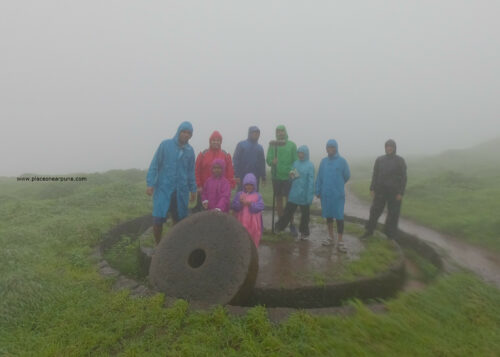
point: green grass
(53, 302)
(124, 256)
(457, 192)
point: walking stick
(275, 144)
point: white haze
(95, 85)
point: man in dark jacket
(387, 186)
(249, 158)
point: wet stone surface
(291, 262)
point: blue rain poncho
(172, 169)
(249, 158)
(333, 173)
(302, 191)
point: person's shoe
(328, 242)
(341, 248)
(304, 237)
(293, 231)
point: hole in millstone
(196, 258)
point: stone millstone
(207, 258)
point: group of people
(176, 178)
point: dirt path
(478, 260)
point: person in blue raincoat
(301, 193)
(171, 178)
(333, 173)
(249, 158)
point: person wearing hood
(170, 178)
(281, 155)
(333, 173)
(248, 206)
(216, 193)
(204, 161)
(301, 193)
(387, 186)
(249, 158)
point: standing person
(281, 155)
(301, 193)
(333, 173)
(249, 158)
(204, 161)
(216, 193)
(170, 178)
(248, 206)
(387, 186)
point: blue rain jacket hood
(302, 190)
(333, 173)
(184, 126)
(172, 170)
(333, 143)
(251, 130)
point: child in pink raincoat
(216, 193)
(248, 206)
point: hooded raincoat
(333, 173)
(172, 169)
(389, 173)
(286, 155)
(204, 160)
(217, 190)
(302, 191)
(250, 216)
(249, 158)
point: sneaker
(304, 237)
(328, 242)
(293, 231)
(341, 248)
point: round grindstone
(208, 258)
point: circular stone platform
(305, 274)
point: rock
(207, 258)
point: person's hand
(149, 191)
(242, 200)
(199, 190)
(399, 197)
(205, 204)
(372, 193)
(192, 196)
(263, 181)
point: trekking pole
(275, 144)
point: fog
(90, 86)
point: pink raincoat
(250, 216)
(217, 190)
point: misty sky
(89, 86)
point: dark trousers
(393, 210)
(290, 209)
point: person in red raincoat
(203, 165)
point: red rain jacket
(204, 160)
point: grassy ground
(53, 301)
(457, 192)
